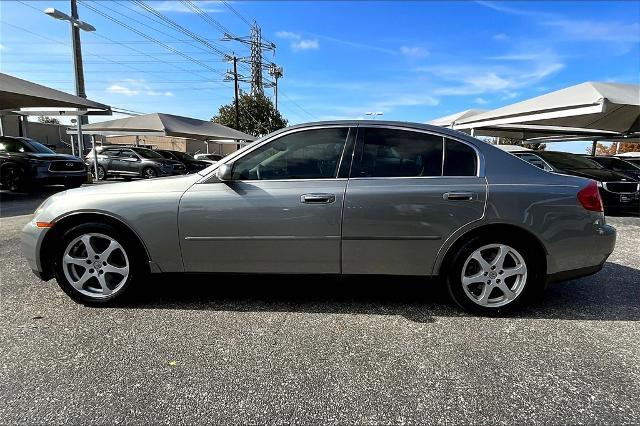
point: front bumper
(31, 243)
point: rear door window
(398, 153)
(460, 159)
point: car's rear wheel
(491, 276)
(96, 263)
(149, 173)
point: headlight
(36, 161)
(599, 184)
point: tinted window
(127, 153)
(398, 153)
(459, 159)
(111, 152)
(147, 153)
(13, 145)
(310, 154)
(535, 160)
(563, 160)
(165, 154)
(624, 166)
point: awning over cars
(16, 93)
(451, 120)
(607, 109)
(166, 125)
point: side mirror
(224, 171)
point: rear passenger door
(408, 192)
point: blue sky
(413, 60)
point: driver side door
(280, 213)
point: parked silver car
(352, 197)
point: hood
(601, 175)
(164, 184)
(59, 157)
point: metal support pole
(95, 156)
(73, 145)
(593, 147)
(236, 90)
(78, 71)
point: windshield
(183, 156)
(147, 153)
(563, 160)
(624, 165)
(23, 145)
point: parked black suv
(25, 163)
(131, 162)
(190, 163)
(620, 193)
(618, 165)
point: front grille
(621, 187)
(66, 166)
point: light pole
(76, 26)
(374, 114)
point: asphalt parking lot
(231, 349)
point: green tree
(48, 120)
(258, 116)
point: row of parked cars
(26, 163)
(618, 179)
(130, 161)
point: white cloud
(297, 42)
(414, 52)
(480, 101)
(586, 30)
(132, 87)
(179, 7)
(477, 80)
(3, 47)
(288, 35)
(305, 44)
(501, 37)
(503, 8)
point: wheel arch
(491, 229)
(67, 222)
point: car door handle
(317, 198)
(457, 196)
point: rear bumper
(574, 273)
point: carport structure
(589, 111)
(160, 124)
(16, 94)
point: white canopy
(451, 120)
(166, 125)
(606, 109)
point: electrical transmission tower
(255, 60)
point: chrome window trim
(519, 154)
(480, 167)
(234, 157)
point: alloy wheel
(494, 275)
(96, 265)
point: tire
(487, 289)
(96, 279)
(102, 173)
(149, 173)
(14, 179)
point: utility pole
(275, 72)
(235, 83)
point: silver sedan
(356, 197)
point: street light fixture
(76, 26)
(373, 114)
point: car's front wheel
(491, 276)
(96, 263)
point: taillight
(589, 197)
